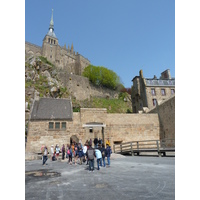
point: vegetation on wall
(112, 105)
(101, 76)
(44, 60)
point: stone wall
(166, 113)
(82, 89)
(132, 127)
(31, 49)
(117, 127)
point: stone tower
(50, 43)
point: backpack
(90, 154)
(76, 149)
(103, 153)
(68, 152)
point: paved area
(137, 177)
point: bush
(101, 76)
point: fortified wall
(166, 114)
(32, 49)
(91, 123)
(82, 89)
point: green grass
(44, 60)
(112, 105)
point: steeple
(51, 22)
(51, 27)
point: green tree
(102, 76)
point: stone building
(53, 122)
(148, 92)
(64, 58)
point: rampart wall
(32, 49)
(166, 113)
(82, 89)
(118, 127)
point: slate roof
(160, 82)
(52, 109)
(51, 34)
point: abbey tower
(64, 58)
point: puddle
(42, 173)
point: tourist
(84, 151)
(69, 153)
(57, 151)
(63, 152)
(99, 157)
(80, 155)
(95, 143)
(52, 152)
(44, 154)
(75, 153)
(41, 149)
(103, 153)
(108, 142)
(108, 153)
(100, 141)
(91, 154)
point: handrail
(160, 146)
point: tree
(102, 76)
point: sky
(123, 36)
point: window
(163, 92)
(154, 102)
(50, 125)
(48, 40)
(153, 92)
(57, 125)
(63, 125)
(54, 41)
(172, 91)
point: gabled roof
(52, 109)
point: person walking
(103, 153)
(99, 157)
(52, 152)
(44, 154)
(84, 151)
(57, 151)
(108, 153)
(69, 153)
(91, 154)
(63, 152)
(80, 155)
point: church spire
(51, 22)
(51, 27)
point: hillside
(42, 80)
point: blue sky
(124, 36)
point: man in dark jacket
(108, 153)
(91, 154)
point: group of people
(78, 153)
